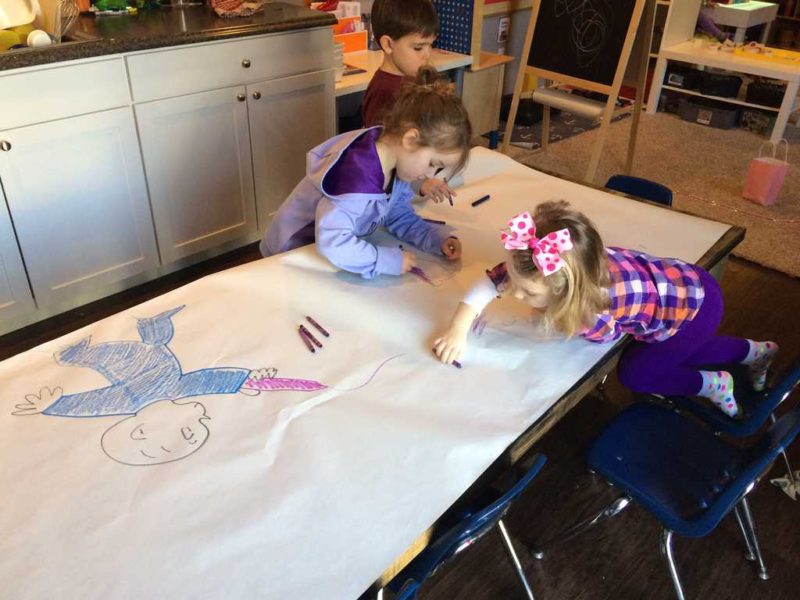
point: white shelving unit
(678, 45)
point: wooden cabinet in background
(288, 117)
(77, 196)
(15, 293)
(197, 158)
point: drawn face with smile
(161, 432)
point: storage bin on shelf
(343, 31)
(719, 84)
(709, 112)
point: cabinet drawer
(65, 91)
(174, 72)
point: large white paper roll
(572, 103)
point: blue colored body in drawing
(140, 373)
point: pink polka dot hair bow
(546, 252)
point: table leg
(789, 98)
(765, 33)
(738, 37)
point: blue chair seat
(672, 466)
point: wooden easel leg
(545, 126)
(648, 22)
(608, 113)
(523, 67)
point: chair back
(756, 406)
(466, 532)
(761, 456)
(641, 188)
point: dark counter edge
(109, 46)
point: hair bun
(430, 80)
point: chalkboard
(581, 38)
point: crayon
(308, 334)
(306, 340)
(481, 200)
(455, 363)
(318, 326)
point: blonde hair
(578, 291)
(429, 105)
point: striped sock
(758, 360)
(718, 387)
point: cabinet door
(197, 159)
(288, 117)
(15, 293)
(76, 193)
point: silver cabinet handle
(5, 146)
(246, 63)
(241, 97)
(257, 95)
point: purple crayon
(311, 338)
(306, 341)
(455, 363)
(318, 326)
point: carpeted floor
(705, 168)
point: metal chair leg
(750, 554)
(514, 558)
(612, 510)
(789, 471)
(751, 528)
(666, 552)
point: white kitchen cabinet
(15, 293)
(288, 117)
(199, 170)
(77, 196)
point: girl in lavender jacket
(358, 181)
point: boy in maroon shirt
(405, 31)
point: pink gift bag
(766, 174)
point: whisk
(66, 14)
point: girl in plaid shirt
(558, 266)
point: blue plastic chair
(475, 523)
(685, 475)
(641, 188)
(755, 407)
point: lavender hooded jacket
(336, 221)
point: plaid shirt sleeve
(604, 330)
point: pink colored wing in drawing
(273, 384)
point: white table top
(299, 495)
(371, 60)
(746, 14)
(691, 52)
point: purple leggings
(671, 367)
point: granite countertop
(161, 27)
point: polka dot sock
(718, 387)
(759, 359)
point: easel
(639, 32)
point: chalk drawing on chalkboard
(592, 22)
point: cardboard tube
(572, 103)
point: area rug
(563, 125)
(705, 168)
